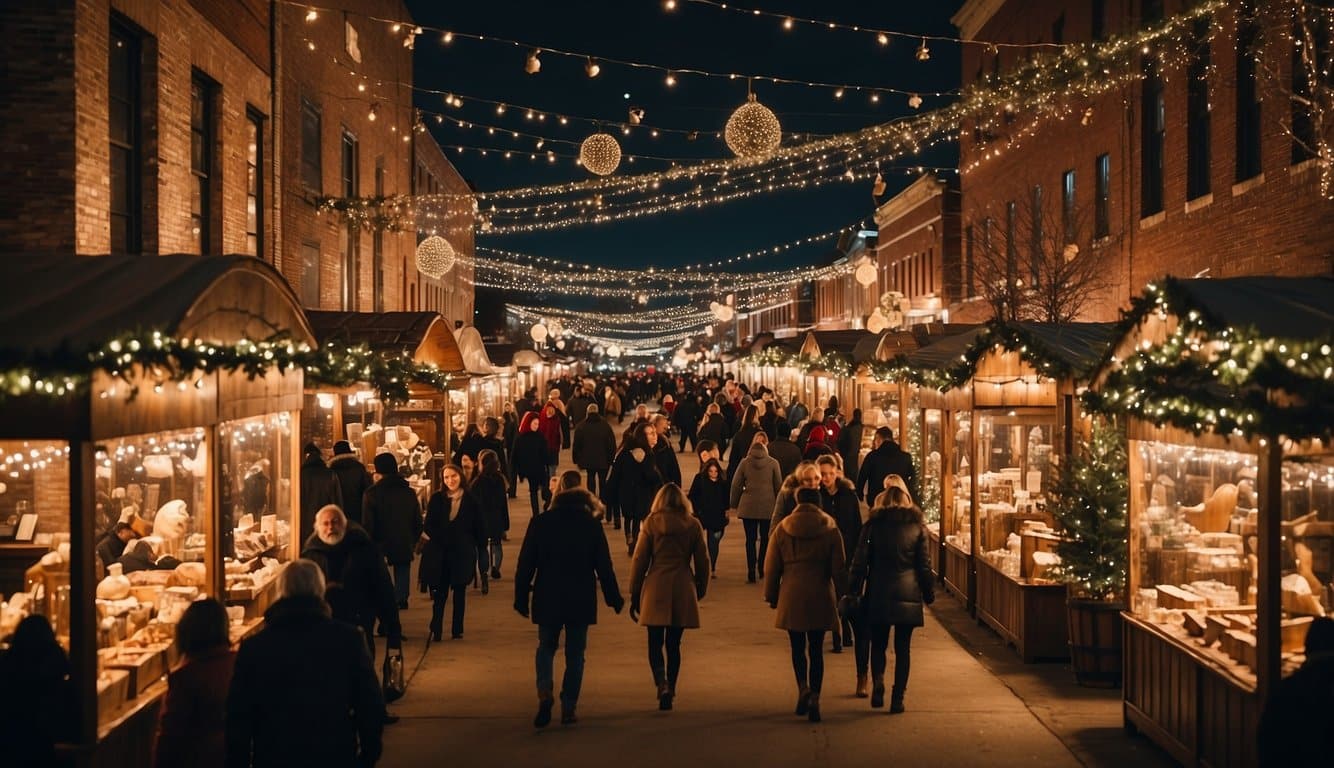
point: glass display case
(35, 534)
(957, 519)
(929, 467)
(880, 408)
(1014, 468)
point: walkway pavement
(471, 701)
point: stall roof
(1276, 307)
(1079, 347)
(476, 361)
(865, 349)
(424, 333)
(945, 352)
(842, 342)
(501, 354)
(63, 303)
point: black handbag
(850, 605)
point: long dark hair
(488, 462)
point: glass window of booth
(933, 440)
(957, 526)
(880, 408)
(157, 486)
(1195, 514)
(1015, 467)
(35, 534)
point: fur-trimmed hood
(807, 521)
(575, 498)
(896, 515)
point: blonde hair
(671, 500)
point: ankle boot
(862, 685)
(803, 701)
(544, 702)
(878, 692)
(664, 696)
(813, 712)
(896, 701)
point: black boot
(544, 702)
(664, 696)
(803, 701)
(878, 691)
(896, 701)
(813, 711)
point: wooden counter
(957, 571)
(1031, 617)
(933, 550)
(1202, 711)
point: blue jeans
(576, 640)
(402, 581)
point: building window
(312, 165)
(1068, 213)
(310, 274)
(1198, 158)
(254, 183)
(123, 96)
(1152, 138)
(1102, 208)
(1011, 242)
(203, 149)
(1035, 236)
(1248, 94)
(1099, 10)
(377, 246)
(351, 235)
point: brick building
(144, 127)
(1210, 183)
(917, 252)
(452, 295)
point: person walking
(754, 489)
(686, 420)
(530, 460)
(489, 488)
(563, 552)
(784, 451)
(554, 428)
(358, 589)
(353, 479)
(454, 549)
(612, 403)
(192, 723)
(709, 497)
(849, 444)
(892, 577)
(741, 443)
(713, 428)
(577, 409)
(303, 691)
(669, 574)
(660, 447)
(633, 483)
(39, 706)
(839, 501)
(806, 475)
(510, 432)
(319, 488)
(805, 574)
(394, 521)
(593, 447)
(885, 458)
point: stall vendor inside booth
(147, 450)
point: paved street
(471, 701)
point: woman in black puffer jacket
(893, 578)
(709, 494)
(489, 489)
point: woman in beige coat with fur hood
(668, 576)
(805, 573)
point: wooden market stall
(827, 358)
(489, 385)
(1025, 416)
(201, 461)
(416, 429)
(1231, 412)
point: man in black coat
(594, 446)
(353, 479)
(686, 419)
(563, 553)
(359, 590)
(577, 407)
(783, 450)
(303, 691)
(394, 522)
(319, 488)
(886, 458)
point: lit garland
(156, 360)
(1208, 376)
(834, 363)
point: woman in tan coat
(805, 573)
(668, 576)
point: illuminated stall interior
(1231, 527)
(131, 488)
(827, 356)
(489, 385)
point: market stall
(1024, 383)
(1226, 387)
(826, 357)
(416, 428)
(147, 392)
(489, 385)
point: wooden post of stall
(83, 585)
(1269, 594)
(294, 542)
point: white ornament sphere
(866, 274)
(538, 332)
(435, 257)
(600, 154)
(752, 130)
(613, 351)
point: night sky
(696, 36)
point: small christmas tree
(1090, 503)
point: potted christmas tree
(1090, 503)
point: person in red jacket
(551, 421)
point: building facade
(452, 295)
(1192, 171)
(214, 127)
(918, 252)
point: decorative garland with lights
(157, 360)
(835, 363)
(1209, 376)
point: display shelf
(958, 571)
(1028, 615)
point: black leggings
(808, 645)
(757, 531)
(880, 643)
(670, 637)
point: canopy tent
(426, 334)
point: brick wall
(1275, 224)
(917, 253)
(453, 295)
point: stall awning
(1293, 308)
(944, 353)
(425, 334)
(476, 361)
(1076, 347)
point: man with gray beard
(358, 587)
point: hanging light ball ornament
(538, 332)
(613, 351)
(435, 257)
(600, 154)
(753, 130)
(866, 273)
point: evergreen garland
(1090, 503)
